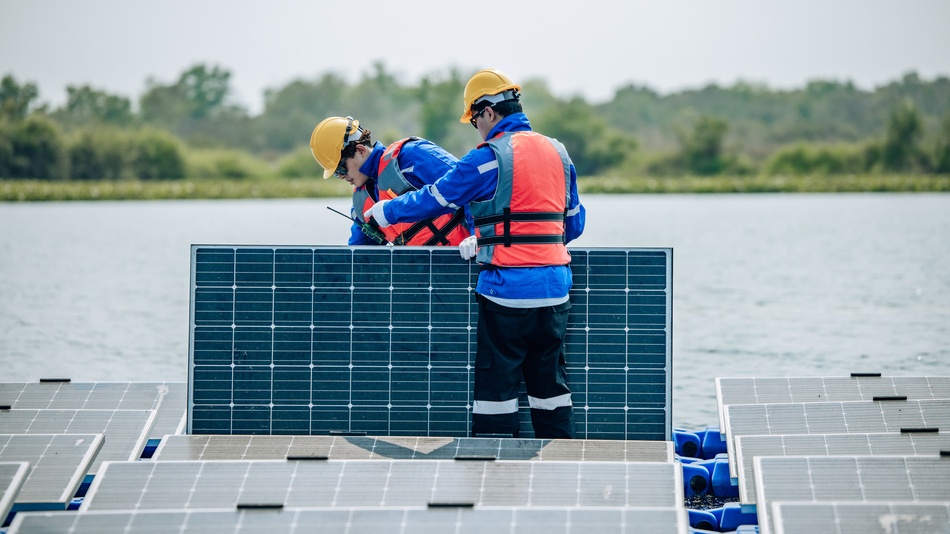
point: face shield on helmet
(488, 85)
(329, 138)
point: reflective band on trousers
(550, 404)
(495, 407)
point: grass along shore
(38, 190)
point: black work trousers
(516, 343)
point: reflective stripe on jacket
(522, 225)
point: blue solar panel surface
(381, 340)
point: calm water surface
(777, 285)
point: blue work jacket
(422, 162)
(475, 178)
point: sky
(587, 48)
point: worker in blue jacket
(346, 150)
(521, 189)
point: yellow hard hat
(329, 138)
(487, 83)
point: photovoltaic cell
(537, 520)
(381, 341)
(862, 417)
(885, 444)
(233, 447)
(168, 399)
(126, 431)
(58, 463)
(847, 478)
(773, 390)
(382, 483)
(861, 518)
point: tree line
(191, 128)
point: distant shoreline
(40, 190)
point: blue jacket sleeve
(470, 180)
(576, 213)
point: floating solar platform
(381, 341)
(234, 447)
(125, 431)
(861, 518)
(382, 483)
(858, 387)
(536, 520)
(58, 463)
(862, 417)
(168, 399)
(887, 444)
(820, 479)
(12, 477)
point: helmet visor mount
(351, 134)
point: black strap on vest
(506, 217)
(507, 240)
(439, 236)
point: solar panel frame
(861, 518)
(126, 431)
(168, 399)
(12, 477)
(847, 478)
(796, 389)
(278, 345)
(58, 464)
(858, 417)
(488, 520)
(382, 483)
(882, 444)
(269, 447)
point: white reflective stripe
(485, 167)
(410, 169)
(495, 407)
(550, 404)
(575, 211)
(441, 199)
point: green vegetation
(186, 139)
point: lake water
(763, 285)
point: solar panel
(861, 518)
(168, 399)
(382, 483)
(863, 417)
(126, 431)
(381, 341)
(233, 447)
(773, 390)
(906, 444)
(537, 520)
(847, 478)
(58, 464)
(12, 476)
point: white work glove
(377, 213)
(467, 247)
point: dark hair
(349, 150)
(508, 107)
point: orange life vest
(447, 229)
(522, 225)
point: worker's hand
(377, 213)
(467, 247)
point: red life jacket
(522, 225)
(447, 229)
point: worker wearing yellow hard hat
(521, 189)
(346, 150)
